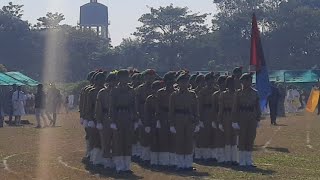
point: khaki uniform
(226, 101)
(183, 115)
(94, 136)
(247, 109)
(204, 140)
(121, 113)
(164, 139)
(219, 142)
(237, 84)
(141, 94)
(102, 116)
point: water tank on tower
(94, 15)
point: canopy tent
(10, 78)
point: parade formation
(170, 121)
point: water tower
(94, 15)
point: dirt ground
(288, 151)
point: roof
(10, 78)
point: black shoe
(128, 172)
(235, 164)
(190, 169)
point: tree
(3, 68)
(13, 9)
(51, 20)
(166, 29)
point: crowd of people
(43, 105)
(170, 121)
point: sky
(123, 14)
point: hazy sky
(123, 14)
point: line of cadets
(169, 122)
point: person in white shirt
(18, 101)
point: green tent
(10, 78)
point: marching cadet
(200, 83)
(93, 132)
(226, 101)
(218, 128)
(151, 121)
(141, 94)
(183, 118)
(103, 119)
(204, 141)
(83, 121)
(136, 147)
(165, 150)
(247, 110)
(122, 116)
(193, 81)
(237, 73)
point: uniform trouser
(281, 108)
(184, 137)
(94, 138)
(273, 112)
(229, 133)
(145, 140)
(248, 130)
(319, 107)
(202, 150)
(106, 141)
(122, 140)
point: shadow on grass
(252, 170)
(109, 173)
(279, 149)
(238, 168)
(282, 125)
(172, 171)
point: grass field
(288, 151)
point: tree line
(170, 38)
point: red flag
(257, 56)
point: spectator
(273, 100)
(10, 104)
(18, 102)
(39, 107)
(53, 103)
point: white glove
(258, 124)
(197, 129)
(221, 127)
(100, 126)
(158, 126)
(81, 121)
(173, 129)
(147, 129)
(91, 124)
(113, 126)
(235, 126)
(85, 123)
(214, 125)
(201, 124)
(136, 125)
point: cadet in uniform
(204, 141)
(237, 73)
(166, 140)
(53, 103)
(219, 144)
(93, 132)
(151, 121)
(142, 92)
(200, 83)
(136, 147)
(83, 120)
(122, 115)
(247, 110)
(103, 119)
(183, 118)
(226, 101)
